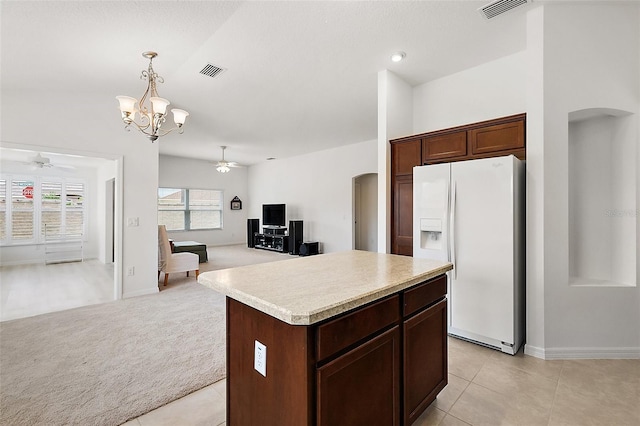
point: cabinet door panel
(500, 137)
(425, 359)
(443, 147)
(405, 156)
(362, 386)
(402, 231)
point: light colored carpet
(105, 364)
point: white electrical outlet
(260, 358)
(131, 271)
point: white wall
(535, 217)
(109, 140)
(584, 69)
(178, 172)
(104, 174)
(395, 119)
(317, 189)
(495, 89)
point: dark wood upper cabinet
(492, 138)
(443, 147)
(405, 156)
(501, 137)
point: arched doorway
(365, 212)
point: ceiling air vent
(499, 7)
(212, 70)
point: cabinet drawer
(352, 327)
(444, 146)
(499, 137)
(424, 294)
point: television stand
(274, 230)
(268, 241)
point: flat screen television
(273, 215)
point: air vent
(499, 7)
(212, 70)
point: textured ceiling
(300, 76)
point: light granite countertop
(306, 290)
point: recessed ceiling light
(398, 56)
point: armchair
(169, 262)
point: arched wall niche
(603, 209)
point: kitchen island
(343, 338)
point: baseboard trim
(534, 351)
(37, 262)
(583, 353)
(592, 353)
(143, 292)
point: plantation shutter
(3, 209)
(51, 209)
(22, 210)
(74, 209)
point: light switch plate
(260, 358)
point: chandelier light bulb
(179, 116)
(159, 105)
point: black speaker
(308, 249)
(252, 228)
(295, 236)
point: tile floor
(485, 387)
(34, 289)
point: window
(29, 208)
(182, 209)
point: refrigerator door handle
(452, 232)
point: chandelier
(150, 112)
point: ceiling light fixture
(223, 166)
(398, 56)
(152, 113)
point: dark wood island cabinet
(368, 348)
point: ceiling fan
(224, 166)
(40, 162)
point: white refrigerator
(471, 213)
